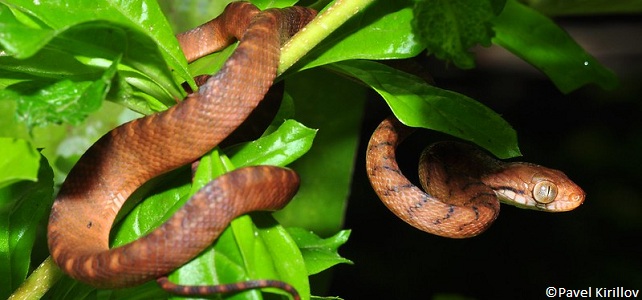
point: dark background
(594, 136)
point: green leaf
(142, 15)
(59, 102)
(536, 39)
(381, 31)
(280, 248)
(155, 210)
(291, 140)
(20, 40)
(18, 161)
(326, 170)
(23, 206)
(320, 254)
(418, 104)
(449, 28)
(82, 39)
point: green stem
(318, 29)
(39, 282)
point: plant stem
(39, 282)
(318, 29)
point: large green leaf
(381, 31)
(83, 39)
(23, 205)
(142, 15)
(320, 254)
(540, 42)
(275, 149)
(18, 161)
(418, 104)
(326, 170)
(64, 101)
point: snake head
(535, 187)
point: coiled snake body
(128, 156)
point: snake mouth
(518, 198)
(563, 205)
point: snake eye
(545, 192)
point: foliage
(60, 61)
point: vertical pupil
(545, 192)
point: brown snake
(462, 184)
(130, 155)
